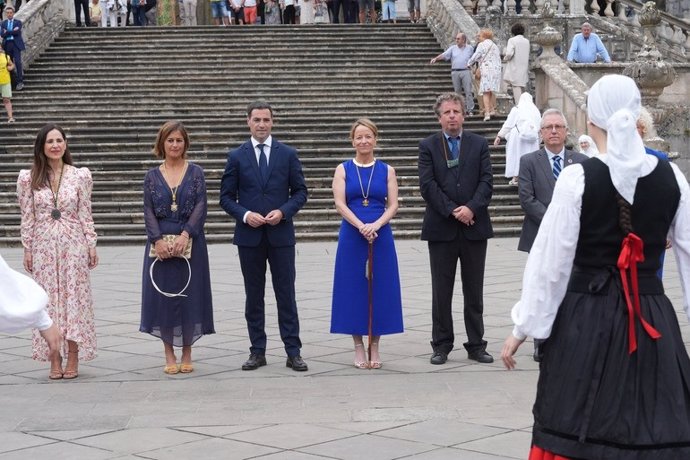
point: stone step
(111, 90)
(216, 165)
(507, 229)
(302, 229)
(9, 186)
(132, 197)
(326, 212)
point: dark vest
(655, 204)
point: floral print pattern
(60, 252)
(489, 56)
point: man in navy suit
(13, 43)
(263, 188)
(456, 181)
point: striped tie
(556, 166)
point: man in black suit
(456, 182)
(263, 188)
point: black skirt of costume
(595, 400)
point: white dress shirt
(257, 152)
(550, 261)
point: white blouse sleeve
(23, 301)
(508, 125)
(550, 260)
(679, 235)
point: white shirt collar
(267, 142)
(551, 154)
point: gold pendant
(365, 202)
(173, 207)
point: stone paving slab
(124, 407)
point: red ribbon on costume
(537, 453)
(631, 254)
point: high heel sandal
(56, 374)
(375, 364)
(171, 369)
(70, 374)
(360, 364)
(186, 368)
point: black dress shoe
(439, 357)
(254, 362)
(481, 356)
(296, 363)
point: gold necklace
(55, 213)
(173, 190)
(365, 201)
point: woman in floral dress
(59, 242)
(488, 57)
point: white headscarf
(613, 104)
(527, 109)
(528, 116)
(592, 149)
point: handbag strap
(486, 54)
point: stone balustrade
(671, 30)
(42, 21)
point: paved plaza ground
(123, 406)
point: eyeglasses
(553, 127)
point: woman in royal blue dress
(366, 195)
(174, 214)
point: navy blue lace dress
(178, 321)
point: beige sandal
(375, 364)
(56, 374)
(70, 374)
(360, 364)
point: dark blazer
(242, 190)
(4, 33)
(444, 189)
(536, 183)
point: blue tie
(455, 153)
(556, 166)
(263, 162)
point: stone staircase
(111, 89)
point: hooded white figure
(521, 131)
(587, 145)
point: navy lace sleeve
(153, 206)
(195, 206)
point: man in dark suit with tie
(263, 188)
(537, 178)
(13, 43)
(456, 181)
(538, 173)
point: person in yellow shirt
(6, 65)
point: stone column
(577, 7)
(651, 73)
(549, 37)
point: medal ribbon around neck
(365, 201)
(55, 213)
(173, 190)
